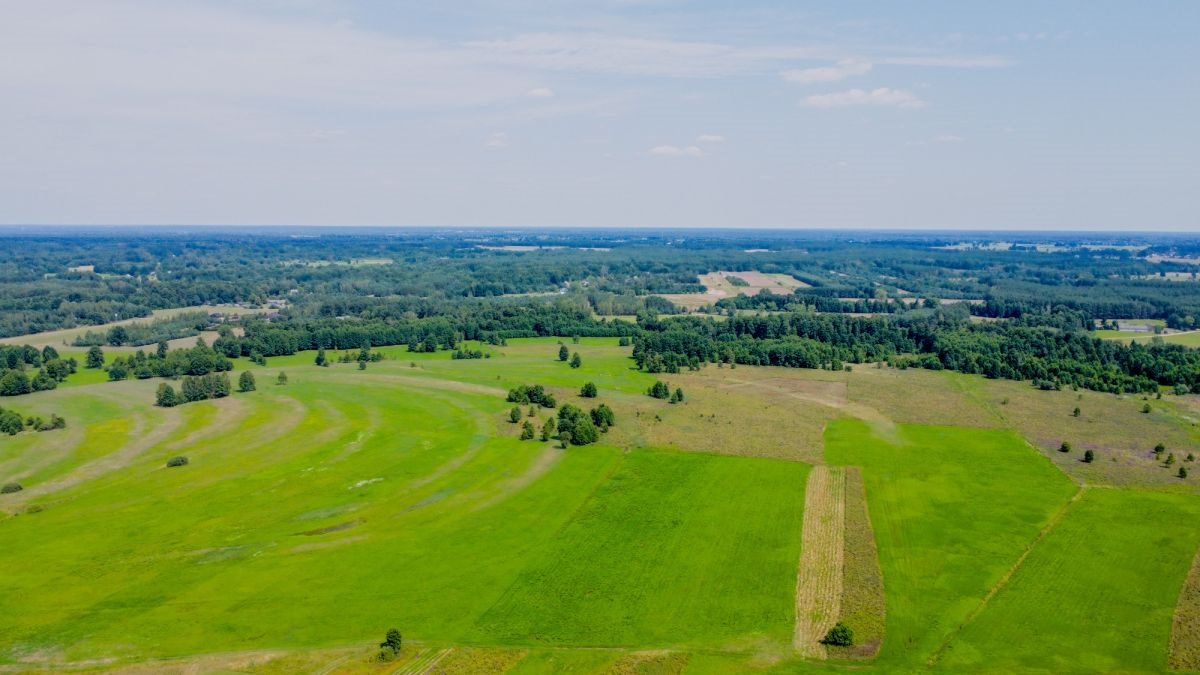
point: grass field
(1095, 594)
(314, 516)
(952, 509)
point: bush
(660, 390)
(1065, 447)
(1182, 472)
(1146, 409)
(1089, 457)
(10, 488)
(576, 361)
(514, 415)
(527, 431)
(839, 636)
(177, 461)
(246, 381)
(588, 390)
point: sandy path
(822, 552)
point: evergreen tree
(95, 358)
(1183, 472)
(563, 353)
(548, 429)
(1089, 456)
(527, 431)
(1065, 447)
(677, 396)
(282, 378)
(576, 361)
(588, 390)
(320, 360)
(514, 415)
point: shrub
(677, 397)
(588, 390)
(1076, 412)
(660, 390)
(1089, 457)
(563, 353)
(177, 461)
(1145, 408)
(246, 381)
(839, 636)
(9, 488)
(282, 378)
(1182, 472)
(1065, 447)
(576, 361)
(526, 431)
(514, 415)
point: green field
(315, 515)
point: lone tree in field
(514, 415)
(1065, 447)
(1182, 472)
(1159, 450)
(563, 353)
(320, 360)
(95, 358)
(527, 431)
(660, 390)
(588, 390)
(390, 647)
(575, 360)
(1146, 409)
(1089, 457)
(1076, 412)
(281, 379)
(1170, 458)
(839, 636)
(246, 381)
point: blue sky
(1017, 115)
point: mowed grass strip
(863, 603)
(953, 508)
(1185, 629)
(819, 580)
(674, 549)
(1096, 594)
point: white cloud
(947, 61)
(540, 92)
(497, 140)
(677, 151)
(884, 96)
(840, 71)
(710, 138)
(948, 138)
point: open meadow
(930, 511)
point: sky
(646, 113)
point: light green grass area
(952, 509)
(647, 560)
(316, 515)
(1096, 594)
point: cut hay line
(863, 604)
(543, 463)
(822, 558)
(119, 458)
(1185, 626)
(1008, 575)
(424, 663)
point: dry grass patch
(474, 660)
(822, 557)
(650, 663)
(863, 605)
(749, 412)
(1185, 628)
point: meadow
(315, 515)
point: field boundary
(1184, 650)
(1008, 575)
(819, 579)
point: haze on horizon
(1021, 115)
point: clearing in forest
(819, 581)
(725, 284)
